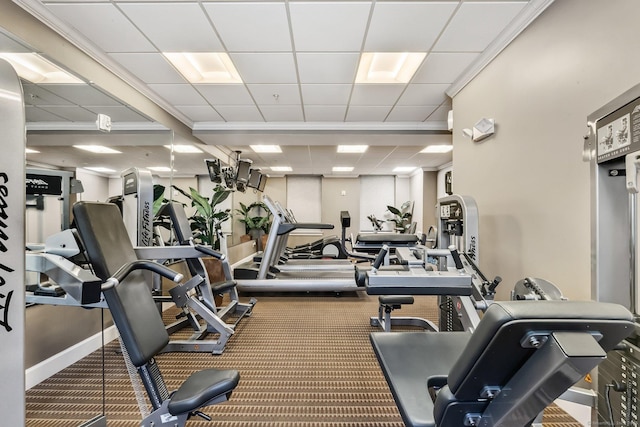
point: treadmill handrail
(288, 227)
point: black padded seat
(409, 361)
(388, 238)
(201, 387)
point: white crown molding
(91, 126)
(520, 22)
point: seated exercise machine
(296, 275)
(142, 332)
(520, 358)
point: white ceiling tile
(220, 94)
(265, 68)
(282, 113)
(443, 67)
(118, 113)
(37, 95)
(330, 26)
(326, 94)
(327, 67)
(325, 113)
(35, 114)
(240, 113)
(265, 94)
(376, 94)
(149, 67)
(263, 27)
(104, 25)
(178, 94)
(7, 44)
(359, 113)
(475, 25)
(407, 26)
(200, 113)
(410, 113)
(81, 94)
(174, 27)
(440, 114)
(424, 94)
(71, 113)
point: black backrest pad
(494, 354)
(132, 307)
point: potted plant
(402, 216)
(207, 221)
(256, 224)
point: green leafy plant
(252, 221)
(402, 216)
(207, 221)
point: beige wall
(529, 181)
(333, 202)
(429, 200)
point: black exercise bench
(521, 357)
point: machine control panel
(618, 379)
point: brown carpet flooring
(304, 360)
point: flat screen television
(242, 171)
(263, 182)
(214, 169)
(254, 178)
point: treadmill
(294, 275)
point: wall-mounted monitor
(243, 170)
(215, 170)
(229, 177)
(263, 182)
(254, 178)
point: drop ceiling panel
(424, 94)
(104, 25)
(174, 27)
(443, 67)
(407, 26)
(275, 94)
(340, 24)
(219, 94)
(378, 94)
(265, 68)
(263, 27)
(37, 95)
(178, 94)
(149, 67)
(7, 44)
(81, 94)
(410, 113)
(440, 114)
(118, 113)
(325, 113)
(72, 113)
(475, 25)
(326, 94)
(35, 114)
(361, 113)
(199, 113)
(327, 67)
(240, 113)
(282, 113)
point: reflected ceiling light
(437, 149)
(204, 67)
(404, 169)
(352, 148)
(281, 168)
(159, 168)
(36, 69)
(99, 149)
(184, 148)
(266, 148)
(388, 67)
(342, 168)
(31, 151)
(100, 169)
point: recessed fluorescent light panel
(36, 69)
(204, 67)
(100, 169)
(98, 149)
(159, 168)
(342, 168)
(388, 67)
(352, 148)
(437, 149)
(188, 149)
(281, 168)
(31, 151)
(404, 169)
(266, 148)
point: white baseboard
(43, 370)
